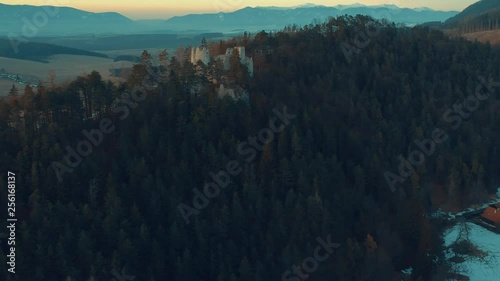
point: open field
(492, 36)
(65, 67)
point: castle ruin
(202, 54)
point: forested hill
(478, 8)
(481, 16)
(487, 21)
(341, 119)
(19, 48)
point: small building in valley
(491, 216)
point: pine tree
(13, 92)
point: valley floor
(492, 36)
(66, 68)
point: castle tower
(241, 51)
(200, 54)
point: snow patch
(477, 268)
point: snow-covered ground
(483, 263)
(477, 268)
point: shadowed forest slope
(322, 175)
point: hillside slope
(341, 122)
(483, 22)
(38, 51)
(477, 8)
(476, 22)
(491, 36)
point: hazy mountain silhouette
(274, 17)
(15, 13)
(29, 21)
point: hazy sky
(168, 8)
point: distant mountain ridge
(64, 21)
(15, 13)
(258, 18)
(24, 20)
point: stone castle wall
(202, 54)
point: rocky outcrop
(235, 92)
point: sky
(162, 9)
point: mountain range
(23, 20)
(28, 21)
(273, 18)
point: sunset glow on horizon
(157, 9)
